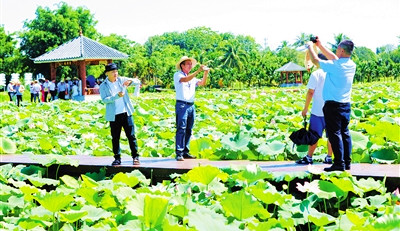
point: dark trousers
(337, 118)
(19, 99)
(123, 121)
(35, 96)
(45, 96)
(185, 114)
(53, 95)
(61, 95)
(11, 95)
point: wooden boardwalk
(159, 169)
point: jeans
(337, 118)
(35, 96)
(11, 95)
(123, 121)
(185, 114)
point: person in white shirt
(185, 87)
(46, 89)
(52, 89)
(36, 89)
(11, 90)
(317, 121)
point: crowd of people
(43, 90)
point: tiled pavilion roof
(288, 67)
(80, 48)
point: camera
(313, 39)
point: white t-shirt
(185, 91)
(119, 103)
(316, 83)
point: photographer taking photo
(340, 71)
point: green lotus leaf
(241, 205)
(205, 174)
(155, 209)
(359, 140)
(271, 149)
(28, 223)
(7, 146)
(71, 216)
(70, 181)
(94, 213)
(205, 219)
(54, 201)
(130, 181)
(385, 155)
(39, 182)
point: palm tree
(301, 40)
(338, 38)
(284, 44)
(234, 55)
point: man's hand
(127, 83)
(121, 93)
(304, 112)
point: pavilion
(294, 69)
(80, 52)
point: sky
(369, 23)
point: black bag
(304, 136)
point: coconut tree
(338, 38)
(301, 40)
(234, 55)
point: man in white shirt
(52, 89)
(185, 87)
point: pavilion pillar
(53, 71)
(301, 77)
(287, 77)
(82, 75)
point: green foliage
(325, 201)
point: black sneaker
(334, 168)
(327, 160)
(347, 167)
(188, 156)
(116, 162)
(305, 160)
(136, 160)
(179, 158)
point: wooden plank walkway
(160, 168)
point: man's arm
(309, 96)
(191, 76)
(328, 53)
(204, 79)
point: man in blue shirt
(185, 86)
(340, 71)
(119, 111)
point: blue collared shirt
(339, 79)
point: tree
(338, 38)
(301, 40)
(284, 44)
(11, 60)
(234, 55)
(51, 28)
